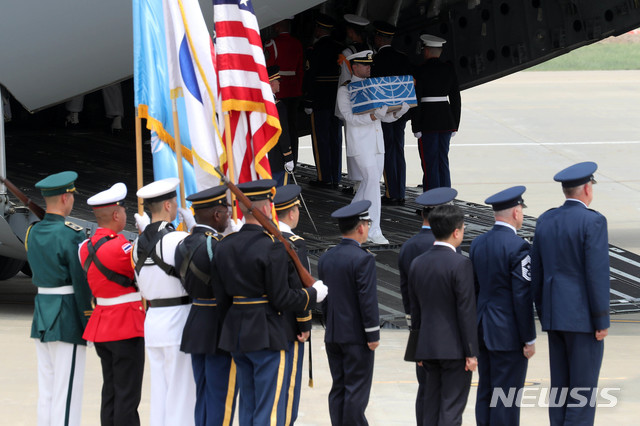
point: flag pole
(176, 127)
(227, 127)
(139, 160)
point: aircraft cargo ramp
(102, 160)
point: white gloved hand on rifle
(308, 111)
(235, 225)
(142, 221)
(187, 218)
(321, 291)
(288, 166)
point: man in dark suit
(444, 313)
(570, 279)
(254, 270)
(437, 117)
(390, 62)
(213, 368)
(351, 313)
(506, 331)
(298, 323)
(320, 87)
(414, 247)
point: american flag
(244, 90)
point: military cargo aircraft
(53, 51)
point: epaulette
(212, 235)
(270, 236)
(26, 246)
(296, 238)
(74, 226)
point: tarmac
(520, 129)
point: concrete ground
(521, 129)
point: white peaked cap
(432, 41)
(356, 19)
(111, 196)
(365, 54)
(158, 188)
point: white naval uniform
(365, 149)
(173, 391)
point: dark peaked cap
(508, 198)
(577, 174)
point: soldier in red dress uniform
(117, 323)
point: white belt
(119, 300)
(65, 289)
(435, 99)
(287, 73)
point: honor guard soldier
(173, 391)
(351, 313)
(117, 323)
(286, 52)
(280, 156)
(213, 368)
(437, 117)
(287, 205)
(320, 86)
(365, 142)
(356, 42)
(412, 248)
(62, 305)
(253, 267)
(570, 268)
(388, 61)
(506, 329)
(443, 311)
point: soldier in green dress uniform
(62, 305)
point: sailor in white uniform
(173, 392)
(365, 142)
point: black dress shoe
(348, 190)
(401, 202)
(386, 201)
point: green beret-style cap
(56, 184)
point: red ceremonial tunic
(286, 52)
(117, 322)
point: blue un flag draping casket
(372, 93)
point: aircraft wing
(51, 51)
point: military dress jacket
(570, 269)
(286, 51)
(52, 251)
(253, 268)
(115, 322)
(436, 78)
(388, 62)
(321, 74)
(502, 270)
(194, 257)
(412, 248)
(351, 308)
(281, 151)
(297, 321)
(443, 305)
(163, 326)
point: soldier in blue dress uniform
(390, 62)
(287, 205)
(506, 329)
(412, 248)
(351, 315)
(213, 368)
(570, 279)
(62, 305)
(253, 267)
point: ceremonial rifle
(305, 276)
(36, 209)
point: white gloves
(288, 166)
(321, 291)
(418, 135)
(453, 134)
(408, 318)
(187, 218)
(403, 109)
(235, 225)
(308, 111)
(142, 221)
(381, 112)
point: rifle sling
(111, 275)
